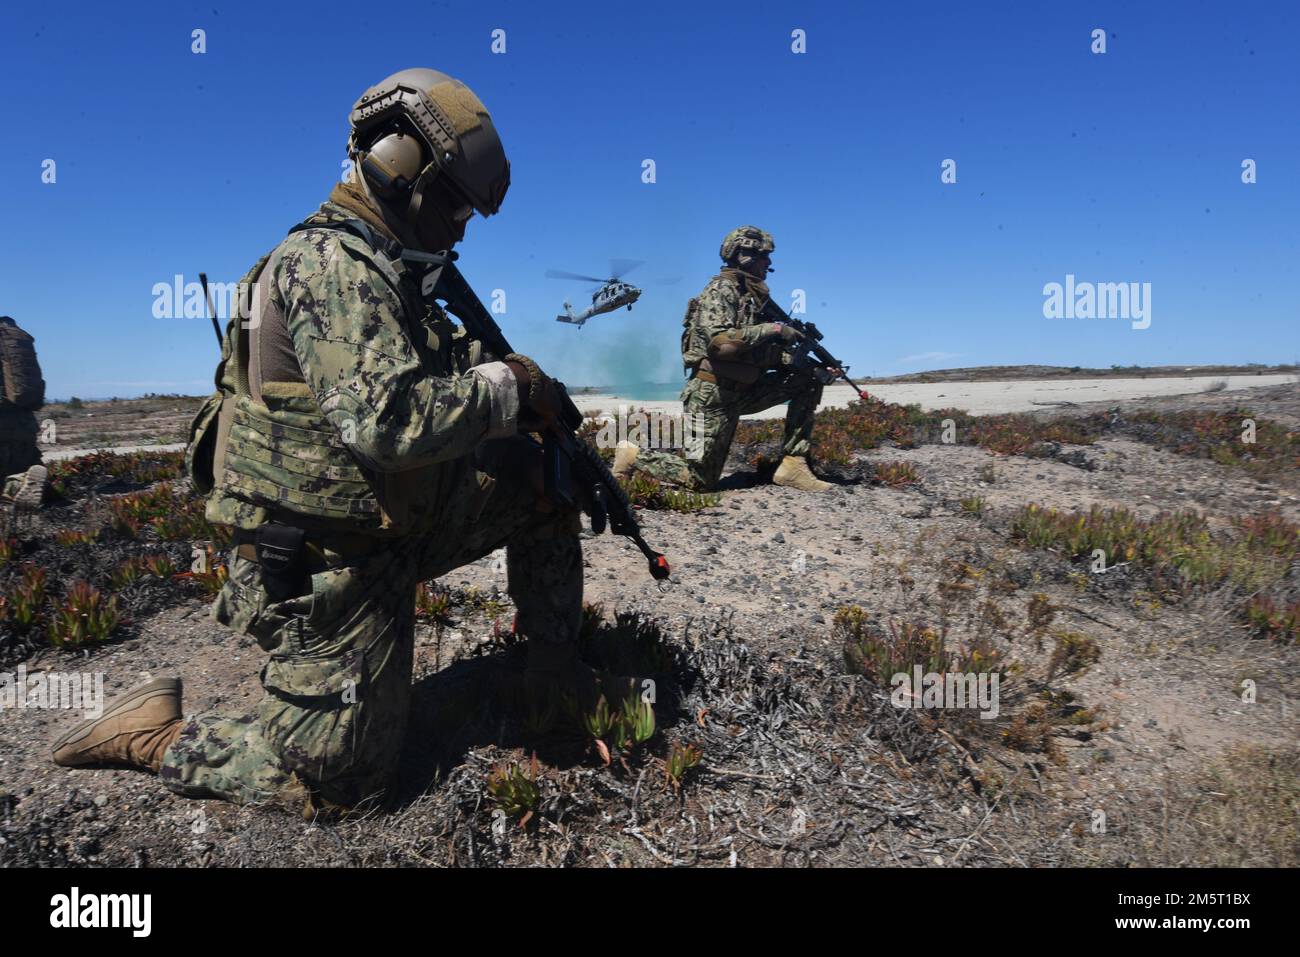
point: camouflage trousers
(338, 682)
(716, 410)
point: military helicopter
(609, 294)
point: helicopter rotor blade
(562, 274)
(618, 268)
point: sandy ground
(787, 737)
(132, 425)
(989, 398)
(56, 455)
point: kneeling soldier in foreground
(360, 444)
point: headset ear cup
(392, 163)
(376, 175)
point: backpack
(21, 384)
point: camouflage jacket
(727, 310)
(365, 411)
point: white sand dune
(986, 398)
(978, 398)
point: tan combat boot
(27, 490)
(135, 730)
(793, 472)
(625, 454)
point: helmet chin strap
(395, 218)
(446, 239)
(407, 222)
(416, 201)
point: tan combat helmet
(745, 237)
(457, 146)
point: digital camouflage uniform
(392, 435)
(729, 309)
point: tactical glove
(788, 334)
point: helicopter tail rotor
(569, 317)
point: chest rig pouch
(282, 554)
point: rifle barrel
(207, 299)
(813, 336)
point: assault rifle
(569, 462)
(809, 348)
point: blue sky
(1119, 167)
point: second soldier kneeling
(738, 365)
